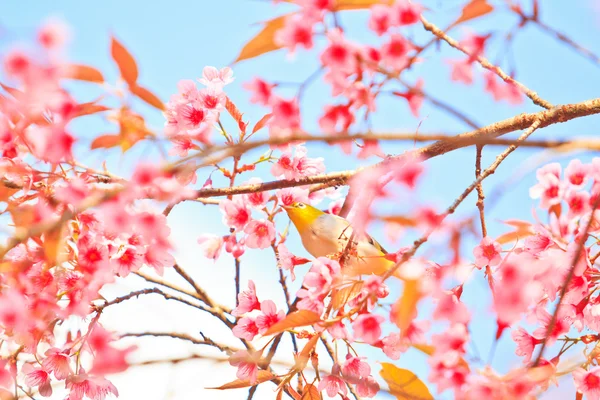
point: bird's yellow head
(302, 215)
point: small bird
(326, 234)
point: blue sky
(173, 41)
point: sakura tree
(77, 233)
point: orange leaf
(84, 73)
(90, 108)
(341, 5)
(406, 306)
(403, 383)
(340, 297)
(6, 192)
(304, 355)
(310, 392)
(264, 41)
(523, 230)
(425, 348)
(105, 141)
(263, 376)
(400, 219)
(475, 9)
(125, 62)
(16, 93)
(294, 320)
(147, 96)
(262, 122)
(53, 243)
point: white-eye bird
(326, 234)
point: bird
(325, 234)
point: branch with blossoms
(75, 229)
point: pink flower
(579, 203)
(340, 55)
(289, 196)
(247, 301)
(487, 253)
(247, 363)
(287, 260)
(354, 368)
(393, 345)
(235, 248)
(269, 317)
(95, 388)
(212, 99)
(450, 307)
(577, 173)
(454, 339)
(367, 387)
(50, 143)
(236, 213)
(260, 234)
(320, 277)
(550, 189)
(310, 302)
(37, 377)
(333, 384)
(286, 113)
(588, 382)
(211, 245)
(474, 44)
(212, 77)
(462, 71)
(525, 343)
(245, 328)
(337, 118)
(54, 34)
(406, 13)
(368, 327)
(57, 361)
(394, 53)
(298, 166)
(261, 91)
(297, 31)
(414, 96)
(256, 199)
(381, 19)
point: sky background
(175, 40)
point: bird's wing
(375, 243)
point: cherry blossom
(368, 327)
(487, 253)
(261, 234)
(588, 382)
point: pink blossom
(577, 173)
(37, 377)
(261, 234)
(338, 331)
(450, 307)
(57, 362)
(561, 325)
(17, 64)
(453, 339)
(247, 301)
(367, 387)
(354, 368)
(289, 196)
(462, 70)
(340, 55)
(579, 203)
(525, 343)
(310, 302)
(235, 248)
(188, 90)
(54, 34)
(393, 345)
(245, 328)
(212, 77)
(320, 277)
(406, 12)
(588, 382)
(394, 52)
(336, 118)
(212, 99)
(107, 359)
(414, 96)
(51, 143)
(368, 327)
(474, 44)
(488, 252)
(247, 363)
(333, 384)
(381, 19)
(236, 213)
(269, 317)
(299, 166)
(287, 260)
(297, 31)
(256, 199)
(261, 91)
(286, 113)
(95, 388)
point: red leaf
(264, 41)
(294, 320)
(236, 114)
(105, 141)
(261, 124)
(84, 73)
(310, 392)
(147, 96)
(474, 9)
(125, 62)
(263, 376)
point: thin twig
(480, 195)
(183, 336)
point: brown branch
(480, 194)
(489, 171)
(483, 135)
(486, 64)
(567, 282)
(201, 292)
(183, 336)
(149, 291)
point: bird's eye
(300, 205)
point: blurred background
(175, 40)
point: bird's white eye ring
(301, 205)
